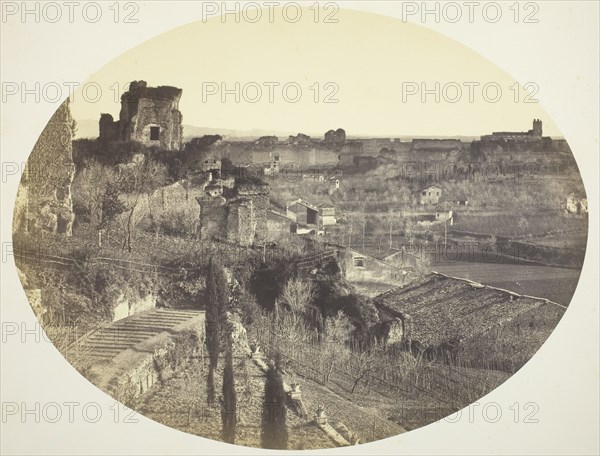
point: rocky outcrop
(237, 335)
(44, 200)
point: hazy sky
(370, 64)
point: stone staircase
(106, 342)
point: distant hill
(191, 131)
(410, 138)
(88, 128)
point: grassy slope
(180, 403)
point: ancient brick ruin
(335, 138)
(231, 208)
(203, 155)
(234, 211)
(149, 115)
(44, 201)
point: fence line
(394, 388)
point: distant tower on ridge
(537, 128)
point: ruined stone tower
(233, 211)
(149, 115)
(44, 199)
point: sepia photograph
(298, 226)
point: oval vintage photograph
(300, 227)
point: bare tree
(363, 364)
(423, 266)
(337, 331)
(97, 191)
(338, 328)
(138, 180)
(298, 295)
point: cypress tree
(212, 325)
(229, 405)
(210, 385)
(217, 297)
(274, 434)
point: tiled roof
(443, 308)
(428, 187)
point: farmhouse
(437, 310)
(429, 195)
(309, 218)
(359, 266)
(434, 218)
(327, 214)
(277, 223)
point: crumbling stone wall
(109, 129)
(233, 220)
(203, 155)
(44, 200)
(258, 192)
(239, 216)
(241, 222)
(213, 216)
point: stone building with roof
(442, 313)
(308, 218)
(429, 195)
